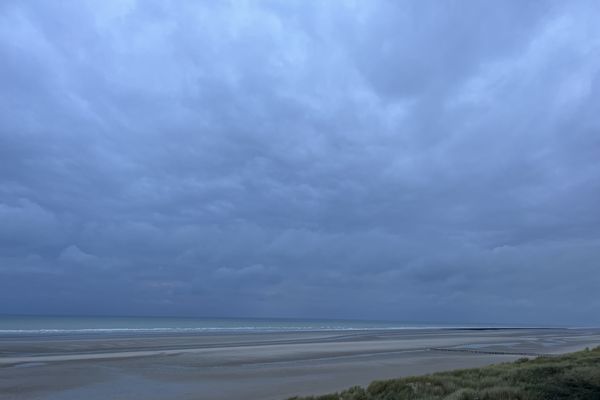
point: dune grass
(571, 376)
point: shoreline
(256, 365)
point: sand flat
(255, 366)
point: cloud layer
(395, 160)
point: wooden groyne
(494, 352)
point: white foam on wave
(207, 329)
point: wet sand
(255, 366)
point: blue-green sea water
(51, 325)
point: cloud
(73, 255)
(343, 159)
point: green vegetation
(572, 376)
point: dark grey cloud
(397, 160)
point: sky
(397, 160)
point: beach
(257, 365)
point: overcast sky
(407, 160)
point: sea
(21, 325)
